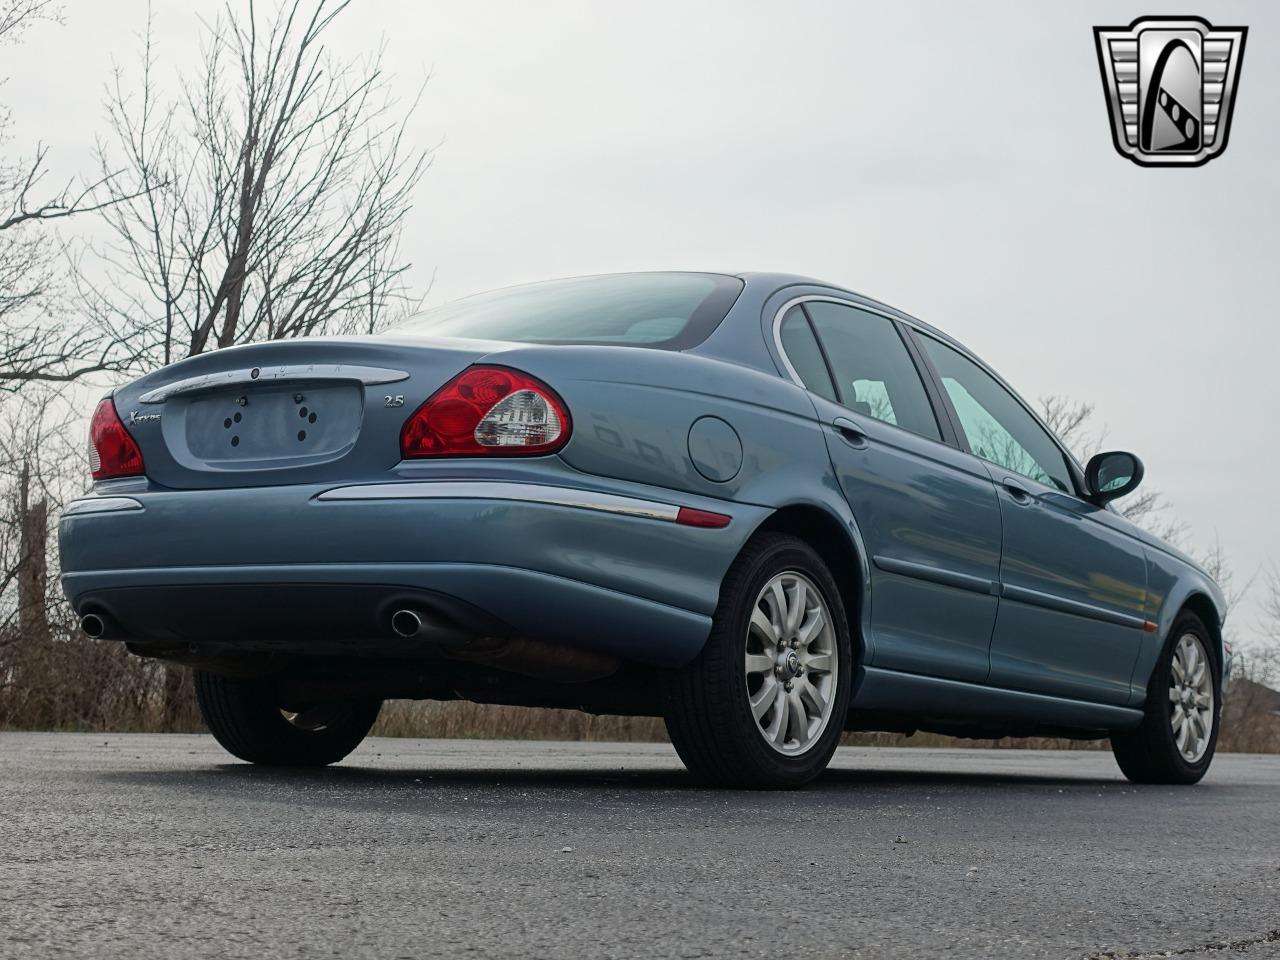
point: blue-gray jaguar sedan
(760, 506)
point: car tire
(711, 704)
(248, 721)
(1155, 752)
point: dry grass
(938, 741)
(483, 721)
(73, 683)
(1249, 723)
(76, 684)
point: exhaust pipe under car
(532, 658)
(93, 626)
(406, 623)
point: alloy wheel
(791, 663)
(1191, 704)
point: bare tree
(1262, 663)
(40, 451)
(1271, 607)
(1073, 422)
(39, 339)
(35, 454)
(264, 201)
(1251, 713)
(51, 676)
(271, 191)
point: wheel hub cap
(788, 665)
(791, 663)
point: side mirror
(1112, 475)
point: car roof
(766, 279)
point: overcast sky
(954, 160)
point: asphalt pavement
(162, 846)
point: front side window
(874, 374)
(999, 428)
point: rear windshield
(671, 311)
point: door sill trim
(893, 690)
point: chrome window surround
(100, 505)
(924, 332)
(795, 302)
(505, 490)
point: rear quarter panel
(633, 410)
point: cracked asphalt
(161, 846)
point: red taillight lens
(487, 412)
(112, 452)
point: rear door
(927, 513)
(1073, 585)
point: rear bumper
(601, 569)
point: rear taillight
(112, 452)
(487, 412)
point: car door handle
(850, 432)
(1017, 492)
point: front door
(1073, 583)
(927, 512)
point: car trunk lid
(286, 412)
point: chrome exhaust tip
(406, 623)
(93, 626)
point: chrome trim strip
(298, 371)
(506, 490)
(947, 578)
(1048, 601)
(1035, 598)
(100, 505)
(923, 330)
(809, 298)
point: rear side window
(874, 373)
(672, 311)
(802, 350)
(999, 428)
